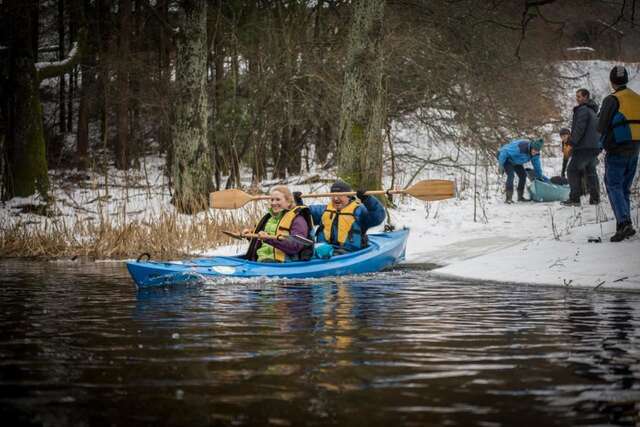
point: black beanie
(340, 187)
(619, 75)
(565, 131)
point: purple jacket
(299, 227)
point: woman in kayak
(283, 219)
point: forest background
(221, 90)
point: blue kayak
(384, 250)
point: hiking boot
(571, 203)
(521, 197)
(623, 231)
(628, 230)
(509, 197)
(618, 237)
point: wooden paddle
(428, 190)
(240, 236)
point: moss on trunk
(27, 171)
(362, 115)
(28, 164)
(191, 167)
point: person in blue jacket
(343, 223)
(512, 157)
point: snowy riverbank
(534, 243)
(529, 243)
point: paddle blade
(432, 189)
(229, 199)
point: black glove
(297, 197)
(360, 195)
(390, 197)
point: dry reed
(167, 235)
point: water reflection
(604, 343)
(398, 347)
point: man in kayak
(283, 219)
(344, 222)
(512, 157)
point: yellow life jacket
(283, 228)
(626, 122)
(345, 218)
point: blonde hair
(285, 192)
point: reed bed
(165, 235)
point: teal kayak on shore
(541, 191)
(384, 250)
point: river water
(79, 346)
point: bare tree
(362, 115)
(191, 171)
(26, 171)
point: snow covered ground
(485, 239)
(541, 243)
(537, 243)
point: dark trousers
(583, 162)
(511, 171)
(618, 177)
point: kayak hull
(384, 250)
(540, 191)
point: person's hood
(588, 104)
(591, 104)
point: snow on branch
(48, 70)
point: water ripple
(394, 347)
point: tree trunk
(191, 160)
(103, 43)
(122, 140)
(294, 161)
(362, 113)
(164, 73)
(82, 132)
(324, 144)
(26, 171)
(87, 87)
(218, 98)
(73, 77)
(138, 45)
(323, 141)
(230, 139)
(61, 54)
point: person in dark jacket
(284, 218)
(585, 147)
(344, 222)
(619, 125)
